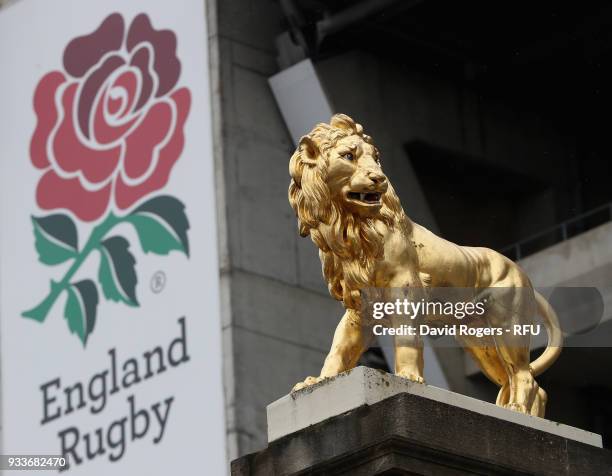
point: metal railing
(560, 232)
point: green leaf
(56, 238)
(154, 236)
(117, 273)
(81, 308)
(161, 224)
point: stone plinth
(368, 422)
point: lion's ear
(309, 150)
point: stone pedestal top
(367, 422)
(364, 386)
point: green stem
(39, 313)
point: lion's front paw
(411, 376)
(307, 383)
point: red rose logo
(109, 131)
(110, 128)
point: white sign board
(110, 328)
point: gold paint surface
(346, 204)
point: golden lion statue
(344, 201)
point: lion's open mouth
(367, 197)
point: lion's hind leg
(538, 407)
(512, 379)
(523, 388)
(539, 403)
(484, 353)
(503, 397)
(511, 305)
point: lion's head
(339, 191)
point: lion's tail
(555, 336)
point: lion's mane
(349, 245)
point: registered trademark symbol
(158, 282)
